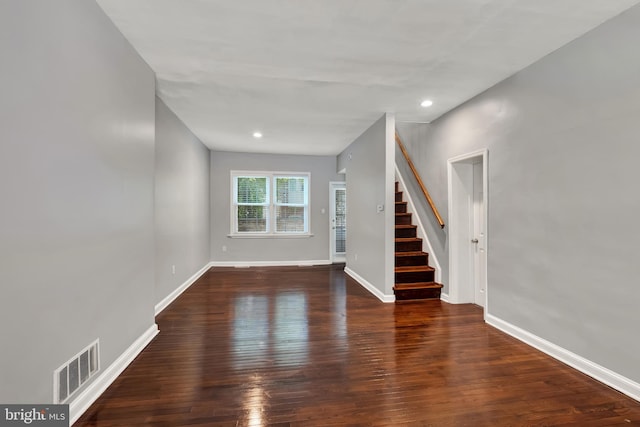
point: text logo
(34, 415)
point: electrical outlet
(224, 249)
(173, 269)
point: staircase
(414, 279)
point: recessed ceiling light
(426, 103)
(257, 135)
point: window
(270, 203)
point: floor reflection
(270, 329)
(254, 406)
(291, 332)
(338, 301)
(250, 330)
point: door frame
(460, 194)
(332, 244)
(479, 248)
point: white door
(478, 241)
(468, 228)
(338, 221)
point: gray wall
(369, 176)
(76, 180)
(563, 206)
(181, 202)
(316, 248)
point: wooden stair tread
(411, 253)
(409, 268)
(418, 285)
(403, 217)
(414, 278)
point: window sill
(268, 236)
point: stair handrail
(420, 183)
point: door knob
(474, 240)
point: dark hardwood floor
(306, 346)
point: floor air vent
(68, 378)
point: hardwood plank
(307, 346)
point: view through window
(270, 203)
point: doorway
(338, 221)
(467, 175)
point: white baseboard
(301, 263)
(178, 291)
(600, 373)
(80, 404)
(445, 297)
(368, 286)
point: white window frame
(271, 205)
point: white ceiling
(312, 75)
